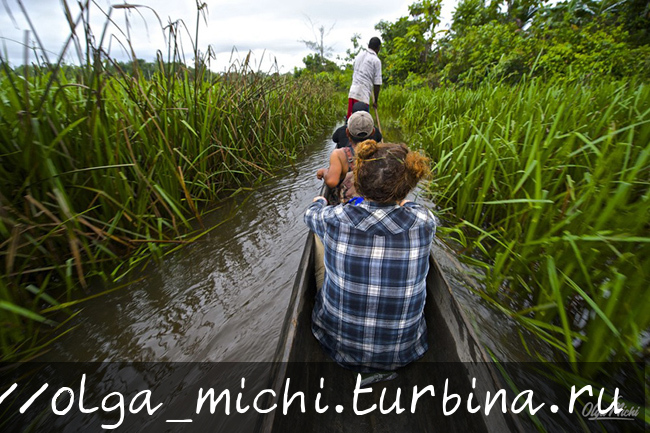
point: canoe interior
(454, 353)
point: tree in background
(593, 38)
(634, 17)
(505, 39)
(521, 12)
(318, 62)
(473, 13)
(315, 63)
(351, 54)
(409, 42)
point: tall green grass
(547, 188)
(98, 165)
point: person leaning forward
(366, 78)
(339, 175)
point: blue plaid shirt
(369, 314)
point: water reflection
(222, 298)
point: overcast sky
(271, 29)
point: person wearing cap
(340, 136)
(366, 78)
(339, 174)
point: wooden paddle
(372, 99)
(379, 124)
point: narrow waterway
(224, 297)
(219, 304)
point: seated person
(339, 174)
(340, 137)
(369, 314)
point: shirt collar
(372, 205)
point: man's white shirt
(367, 72)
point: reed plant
(101, 167)
(546, 187)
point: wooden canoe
(454, 353)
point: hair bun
(417, 164)
(366, 149)
(387, 172)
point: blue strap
(355, 200)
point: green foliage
(328, 74)
(496, 41)
(550, 185)
(315, 64)
(351, 53)
(408, 43)
(102, 166)
(521, 12)
(592, 50)
(634, 17)
(492, 49)
(472, 13)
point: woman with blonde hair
(369, 313)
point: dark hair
(360, 106)
(374, 43)
(387, 172)
(357, 140)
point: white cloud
(273, 27)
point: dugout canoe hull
(454, 353)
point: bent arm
(314, 216)
(334, 173)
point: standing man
(366, 77)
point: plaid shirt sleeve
(314, 217)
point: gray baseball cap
(360, 125)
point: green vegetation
(102, 162)
(537, 118)
(506, 40)
(547, 188)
